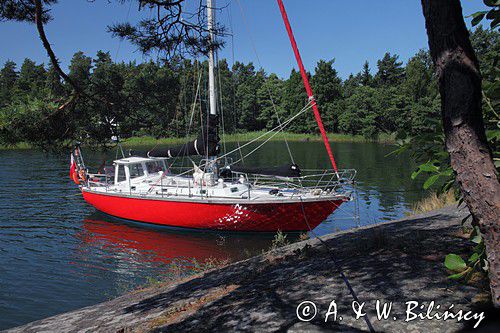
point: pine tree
(79, 69)
(53, 83)
(270, 110)
(294, 100)
(390, 70)
(327, 87)
(8, 78)
(31, 78)
(366, 77)
(248, 82)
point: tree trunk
(460, 88)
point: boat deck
(184, 188)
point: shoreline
(138, 141)
(397, 261)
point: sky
(350, 32)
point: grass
(248, 136)
(138, 141)
(180, 269)
(434, 201)
(279, 240)
(20, 145)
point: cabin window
(121, 174)
(136, 170)
(154, 167)
(109, 171)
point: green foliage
(476, 262)
(271, 109)
(390, 70)
(248, 81)
(492, 14)
(294, 99)
(454, 263)
(157, 100)
(279, 240)
(427, 144)
(424, 138)
(35, 119)
(23, 11)
(327, 87)
(435, 172)
(8, 77)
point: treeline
(130, 99)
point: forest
(158, 99)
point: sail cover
(206, 144)
(287, 170)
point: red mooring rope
(306, 84)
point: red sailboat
(216, 193)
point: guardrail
(319, 182)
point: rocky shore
(399, 262)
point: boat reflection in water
(179, 249)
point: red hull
(235, 217)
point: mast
(207, 142)
(211, 59)
(212, 117)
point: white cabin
(136, 169)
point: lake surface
(58, 254)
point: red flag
(72, 171)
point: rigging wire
(276, 129)
(219, 93)
(267, 87)
(233, 78)
(335, 264)
(193, 109)
(221, 107)
(116, 128)
(121, 40)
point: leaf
(493, 135)
(497, 162)
(448, 185)
(476, 20)
(492, 3)
(400, 150)
(479, 247)
(492, 14)
(457, 276)
(429, 167)
(495, 23)
(473, 258)
(477, 17)
(476, 236)
(430, 181)
(455, 263)
(447, 173)
(493, 91)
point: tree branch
(48, 48)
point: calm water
(57, 254)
